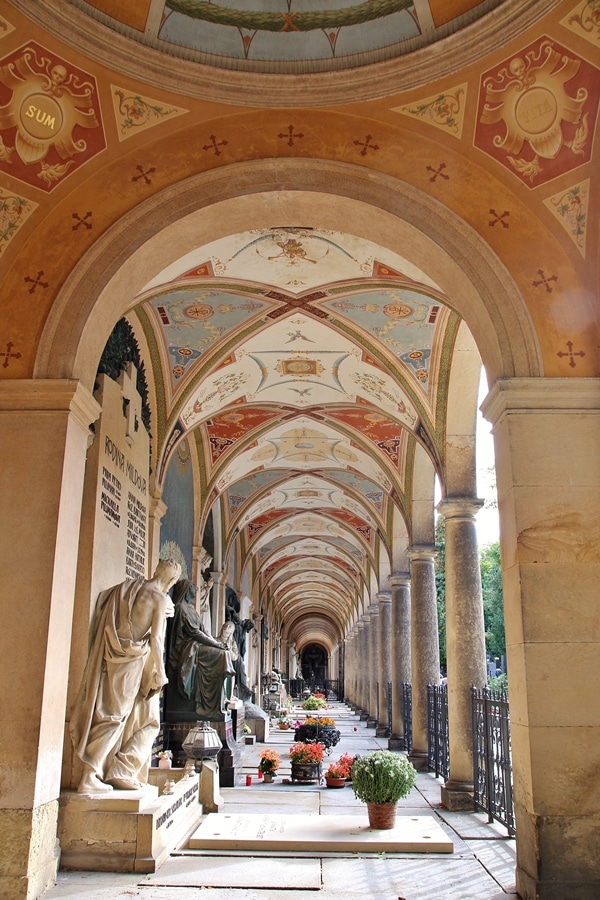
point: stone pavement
(480, 868)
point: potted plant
(306, 761)
(335, 776)
(283, 723)
(380, 779)
(346, 761)
(321, 729)
(315, 701)
(269, 763)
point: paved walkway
(481, 867)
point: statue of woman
(198, 664)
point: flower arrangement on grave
(325, 721)
(269, 761)
(336, 770)
(283, 722)
(345, 762)
(307, 754)
(315, 701)
(164, 759)
(380, 779)
(321, 729)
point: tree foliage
(493, 602)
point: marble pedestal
(127, 831)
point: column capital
(543, 395)
(52, 395)
(459, 507)
(397, 578)
(374, 606)
(157, 508)
(425, 552)
(384, 597)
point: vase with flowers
(165, 759)
(269, 763)
(306, 762)
(380, 779)
(335, 776)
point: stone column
(385, 659)
(352, 670)
(425, 650)
(44, 427)
(546, 437)
(157, 509)
(218, 600)
(373, 719)
(363, 666)
(465, 643)
(400, 651)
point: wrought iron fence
(492, 766)
(300, 687)
(407, 715)
(388, 695)
(438, 751)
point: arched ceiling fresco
(288, 35)
(307, 365)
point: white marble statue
(116, 716)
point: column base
(396, 742)
(363, 716)
(419, 759)
(371, 723)
(457, 796)
(382, 731)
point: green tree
(493, 604)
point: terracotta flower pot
(335, 782)
(268, 778)
(382, 815)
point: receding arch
(339, 196)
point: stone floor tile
(238, 872)
(499, 858)
(446, 878)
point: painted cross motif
(291, 137)
(438, 171)
(214, 144)
(144, 173)
(81, 221)
(8, 354)
(366, 145)
(545, 280)
(36, 282)
(499, 217)
(571, 353)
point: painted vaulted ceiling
(307, 364)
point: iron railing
(301, 686)
(438, 750)
(388, 695)
(492, 766)
(407, 715)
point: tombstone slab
(256, 831)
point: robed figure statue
(198, 664)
